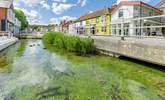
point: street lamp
(140, 18)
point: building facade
(9, 24)
(54, 28)
(64, 26)
(95, 23)
(17, 27)
(41, 28)
(161, 6)
(72, 28)
(126, 19)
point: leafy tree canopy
(21, 17)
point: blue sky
(52, 11)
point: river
(28, 71)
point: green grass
(76, 44)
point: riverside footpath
(149, 49)
(6, 42)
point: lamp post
(140, 19)
(121, 15)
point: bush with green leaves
(70, 43)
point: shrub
(70, 43)
(48, 38)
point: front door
(163, 31)
(93, 31)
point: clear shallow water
(39, 74)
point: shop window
(97, 20)
(103, 29)
(103, 18)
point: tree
(21, 17)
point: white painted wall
(78, 24)
(127, 10)
(83, 23)
(72, 29)
(162, 7)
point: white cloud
(82, 3)
(27, 2)
(54, 21)
(67, 18)
(60, 1)
(31, 2)
(45, 5)
(59, 19)
(32, 16)
(90, 12)
(59, 8)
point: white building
(161, 6)
(72, 28)
(79, 27)
(124, 18)
(6, 18)
(17, 27)
(9, 24)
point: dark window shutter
(3, 22)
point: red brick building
(7, 18)
(65, 26)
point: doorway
(93, 31)
(163, 31)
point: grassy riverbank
(76, 44)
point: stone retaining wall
(138, 49)
(8, 42)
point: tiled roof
(104, 11)
(136, 3)
(5, 4)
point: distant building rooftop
(162, 2)
(104, 11)
(138, 3)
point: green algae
(52, 74)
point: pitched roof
(138, 3)
(160, 3)
(104, 11)
(6, 4)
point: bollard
(122, 38)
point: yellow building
(97, 23)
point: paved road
(157, 41)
